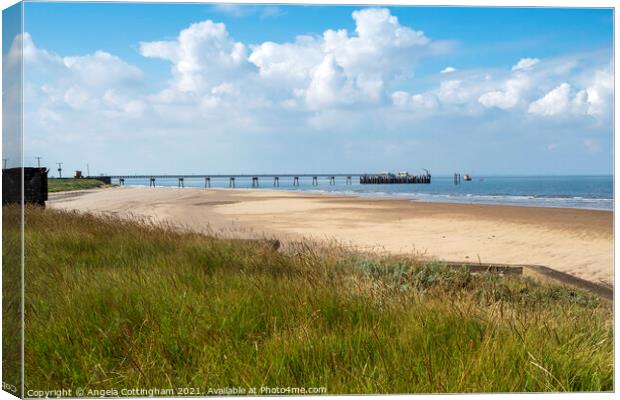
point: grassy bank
(112, 304)
(61, 185)
(11, 301)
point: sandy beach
(578, 242)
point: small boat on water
(466, 177)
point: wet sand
(579, 242)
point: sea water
(590, 192)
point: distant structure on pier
(400, 177)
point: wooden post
(296, 181)
(276, 181)
(231, 182)
(255, 181)
(348, 180)
(181, 183)
(207, 182)
(121, 181)
(315, 181)
(152, 183)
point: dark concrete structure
(34, 181)
(105, 179)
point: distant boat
(466, 177)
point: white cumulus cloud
(525, 63)
(507, 98)
(596, 99)
(555, 102)
(292, 62)
(453, 92)
(420, 101)
(329, 85)
(102, 69)
(203, 56)
(380, 52)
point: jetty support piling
(349, 180)
(255, 181)
(295, 181)
(181, 182)
(332, 180)
(121, 181)
(231, 182)
(152, 182)
(315, 181)
(276, 181)
(207, 182)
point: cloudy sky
(146, 88)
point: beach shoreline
(581, 192)
(575, 241)
(417, 197)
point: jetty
(274, 179)
(233, 179)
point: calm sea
(592, 192)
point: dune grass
(11, 300)
(117, 304)
(61, 185)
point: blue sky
(11, 87)
(138, 88)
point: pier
(233, 179)
(274, 179)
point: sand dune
(579, 242)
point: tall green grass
(116, 304)
(61, 185)
(11, 300)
